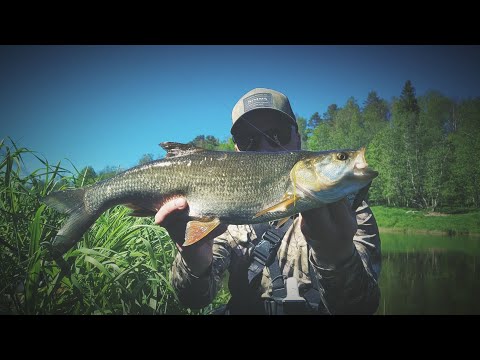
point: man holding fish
(324, 260)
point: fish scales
(233, 186)
(220, 187)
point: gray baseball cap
(254, 103)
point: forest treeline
(426, 148)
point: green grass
(399, 242)
(412, 220)
(121, 266)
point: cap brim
(255, 115)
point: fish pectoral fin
(198, 229)
(287, 201)
(281, 222)
(139, 211)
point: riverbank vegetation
(426, 150)
(121, 266)
(424, 221)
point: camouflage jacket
(351, 287)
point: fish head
(329, 176)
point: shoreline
(427, 232)
(409, 221)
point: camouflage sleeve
(199, 291)
(352, 287)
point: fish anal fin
(139, 211)
(198, 229)
(142, 213)
(287, 201)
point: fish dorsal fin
(179, 149)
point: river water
(429, 274)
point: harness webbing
(265, 254)
(265, 250)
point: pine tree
(315, 119)
(408, 101)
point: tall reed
(121, 266)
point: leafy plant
(121, 266)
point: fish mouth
(365, 173)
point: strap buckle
(293, 303)
(264, 252)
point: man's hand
(330, 230)
(173, 216)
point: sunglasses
(276, 137)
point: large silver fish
(220, 187)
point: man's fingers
(176, 204)
(332, 217)
(340, 209)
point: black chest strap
(265, 254)
(265, 251)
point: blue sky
(109, 105)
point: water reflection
(425, 274)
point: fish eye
(342, 156)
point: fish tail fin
(71, 203)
